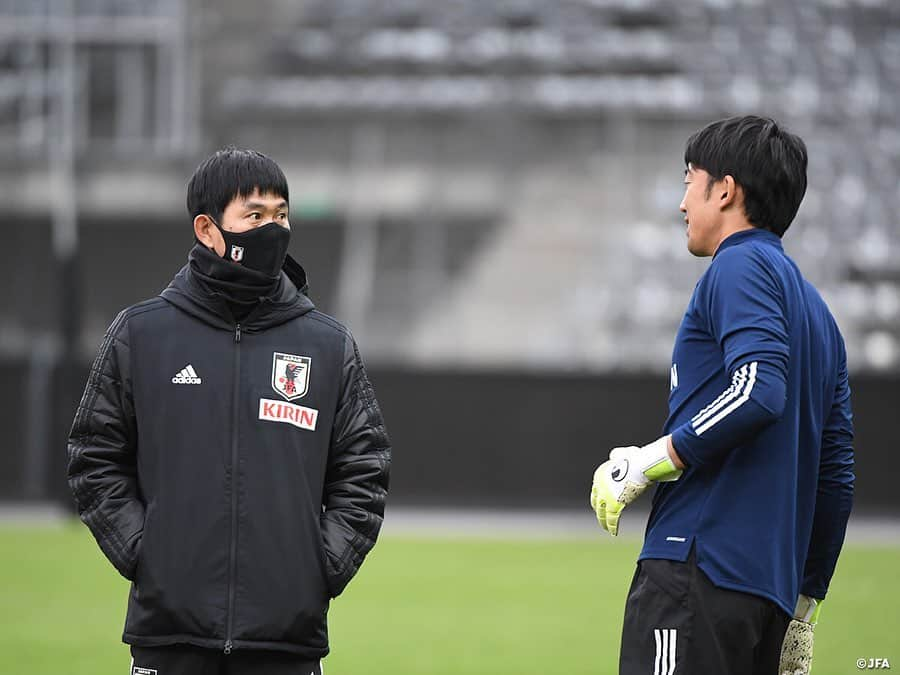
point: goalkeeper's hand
(797, 648)
(627, 473)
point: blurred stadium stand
(476, 186)
(463, 161)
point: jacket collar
(288, 301)
(754, 233)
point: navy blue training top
(759, 411)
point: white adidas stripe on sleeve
(737, 382)
(739, 396)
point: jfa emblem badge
(290, 375)
(237, 253)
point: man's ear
(203, 227)
(726, 192)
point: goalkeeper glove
(797, 648)
(627, 473)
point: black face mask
(262, 249)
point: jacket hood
(286, 302)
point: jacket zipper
(232, 563)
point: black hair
(768, 162)
(230, 173)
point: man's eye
(282, 216)
(255, 216)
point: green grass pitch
(420, 607)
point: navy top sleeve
(744, 305)
(834, 495)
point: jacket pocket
(282, 589)
(323, 564)
(179, 584)
(137, 543)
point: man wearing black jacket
(228, 454)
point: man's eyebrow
(258, 206)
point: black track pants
(678, 623)
(189, 660)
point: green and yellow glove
(627, 473)
(797, 648)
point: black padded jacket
(235, 473)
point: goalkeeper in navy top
(755, 467)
